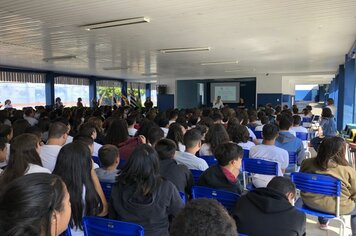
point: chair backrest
(302, 135)
(196, 174)
(292, 158)
(319, 184)
(259, 166)
(96, 160)
(258, 134)
(307, 119)
(97, 226)
(211, 160)
(227, 199)
(107, 188)
(246, 153)
(182, 196)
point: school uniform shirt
(252, 134)
(106, 176)
(290, 143)
(49, 154)
(191, 161)
(299, 129)
(69, 139)
(33, 168)
(32, 121)
(205, 150)
(132, 131)
(165, 131)
(246, 146)
(268, 153)
(152, 212)
(181, 147)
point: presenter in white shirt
(218, 103)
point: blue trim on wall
(148, 90)
(165, 102)
(273, 98)
(49, 88)
(340, 79)
(349, 92)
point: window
(23, 89)
(139, 91)
(154, 94)
(69, 89)
(107, 90)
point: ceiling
(277, 36)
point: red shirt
(230, 176)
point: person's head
(142, 170)
(29, 112)
(7, 102)
(117, 132)
(296, 120)
(86, 140)
(154, 135)
(217, 117)
(295, 110)
(264, 120)
(216, 134)
(109, 155)
(88, 129)
(270, 132)
(79, 99)
(218, 98)
(239, 134)
(331, 153)
(131, 120)
(283, 186)
(175, 133)
(229, 155)
(202, 217)
(58, 99)
(58, 131)
(330, 101)
(165, 149)
(309, 108)
(285, 122)
(173, 115)
(24, 150)
(19, 127)
(326, 112)
(192, 140)
(74, 165)
(35, 204)
(6, 132)
(3, 149)
(34, 130)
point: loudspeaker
(162, 89)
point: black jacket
(151, 212)
(214, 177)
(179, 175)
(267, 212)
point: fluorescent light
(174, 50)
(59, 58)
(219, 63)
(115, 23)
(115, 68)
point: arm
(100, 192)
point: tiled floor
(313, 227)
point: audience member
(201, 217)
(270, 210)
(3, 151)
(141, 189)
(154, 135)
(239, 134)
(19, 127)
(29, 114)
(296, 125)
(89, 129)
(131, 122)
(109, 159)
(6, 133)
(331, 106)
(224, 175)
(192, 141)
(269, 152)
(36, 204)
(176, 134)
(216, 134)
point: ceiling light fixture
(219, 63)
(174, 50)
(115, 23)
(149, 74)
(59, 58)
(115, 68)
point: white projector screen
(229, 92)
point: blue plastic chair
(121, 164)
(246, 153)
(211, 160)
(182, 196)
(66, 233)
(196, 174)
(97, 226)
(258, 134)
(303, 136)
(307, 119)
(227, 199)
(293, 159)
(257, 166)
(107, 188)
(96, 160)
(319, 184)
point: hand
(142, 139)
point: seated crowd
(53, 162)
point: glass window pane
(154, 94)
(70, 93)
(106, 94)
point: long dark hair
(142, 171)
(331, 152)
(117, 132)
(22, 153)
(74, 165)
(175, 133)
(27, 204)
(216, 134)
(239, 134)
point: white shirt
(181, 147)
(165, 131)
(292, 132)
(49, 155)
(32, 121)
(252, 134)
(268, 153)
(132, 131)
(69, 139)
(247, 145)
(4, 163)
(33, 168)
(205, 150)
(333, 109)
(259, 128)
(191, 161)
(299, 129)
(218, 104)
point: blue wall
(305, 95)
(273, 98)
